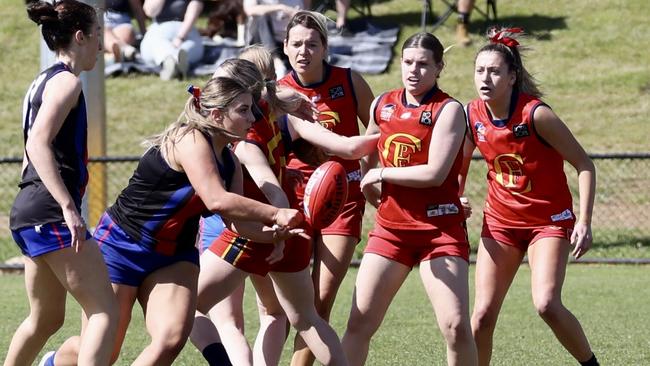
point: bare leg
(548, 260)
(331, 262)
(68, 353)
(217, 280)
(464, 11)
(84, 275)
(378, 280)
(465, 6)
(47, 312)
(119, 41)
(228, 317)
(273, 324)
(296, 295)
(496, 266)
(168, 297)
(445, 281)
(342, 7)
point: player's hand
(77, 227)
(372, 176)
(281, 233)
(277, 254)
(287, 218)
(581, 239)
(372, 193)
(467, 207)
(299, 105)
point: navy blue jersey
(159, 208)
(34, 204)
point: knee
(548, 307)
(168, 348)
(456, 330)
(324, 307)
(273, 318)
(484, 318)
(170, 343)
(360, 326)
(300, 321)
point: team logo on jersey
(398, 149)
(509, 169)
(336, 92)
(480, 131)
(329, 119)
(521, 130)
(386, 112)
(426, 119)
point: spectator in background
(342, 7)
(464, 11)
(226, 19)
(119, 35)
(267, 25)
(172, 40)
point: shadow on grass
(537, 26)
(401, 19)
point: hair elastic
(196, 93)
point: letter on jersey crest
(400, 146)
(510, 173)
(329, 119)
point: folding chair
(491, 7)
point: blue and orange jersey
(159, 208)
(34, 204)
(526, 182)
(405, 136)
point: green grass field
(610, 301)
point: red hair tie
(503, 37)
(196, 93)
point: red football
(325, 194)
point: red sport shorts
(411, 247)
(251, 257)
(522, 237)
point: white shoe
(168, 69)
(128, 53)
(46, 358)
(183, 65)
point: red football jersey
(526, 182)
(337, 103)
(405, 135)
(265, 134)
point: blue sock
(216, 355)
(49, 361)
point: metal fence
(621, 214)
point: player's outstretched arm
(350, 148)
